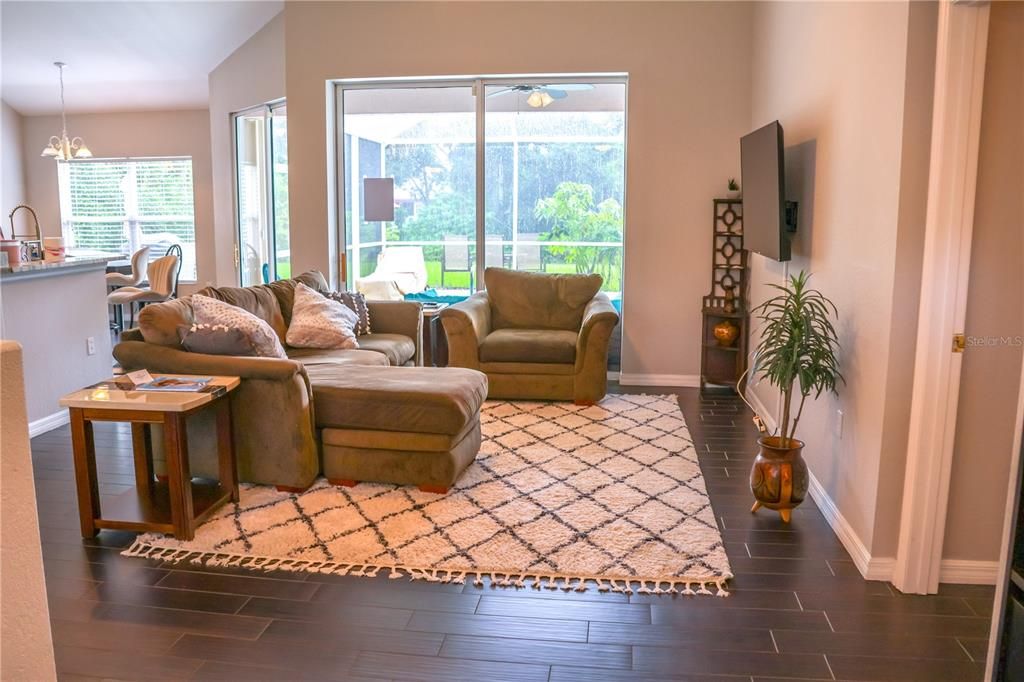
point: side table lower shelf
(150, 511)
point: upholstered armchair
(535, 336)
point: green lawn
(460, 280)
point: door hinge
(959, 343)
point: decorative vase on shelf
(779, 477)
(725, 333)
(730, 301)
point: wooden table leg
(226, 448)
(85, 473)
(142, 448)
(179, 476)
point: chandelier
(61, 148)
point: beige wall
(253, 75)
(835, 76)
(12, 172)
(689, 103)
(150, 133)
(990, 374)
(24, 615)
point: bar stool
(116, 280)
(163, 280)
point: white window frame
(132, 221)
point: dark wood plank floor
(798, 610)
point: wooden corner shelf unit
(723, 363)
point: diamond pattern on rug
(611, 492)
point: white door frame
(952, 177)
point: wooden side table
(177, 505)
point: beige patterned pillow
(319, 322)
(211, 314)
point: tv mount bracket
(790, 216)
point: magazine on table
(167, 384)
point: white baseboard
(680, 380)
(613, 376)
(764, 412)
(48, 423)
(958, 571)
(967, 572)
(842, 528)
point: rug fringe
(550, 581)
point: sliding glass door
(261, 182)
(438, 183)
(409, 189)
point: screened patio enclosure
(529, 176)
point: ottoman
(407, 425)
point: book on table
(167, 384)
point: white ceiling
(121, 56)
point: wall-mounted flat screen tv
(767, 218)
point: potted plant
(733, 189)
(797, 355)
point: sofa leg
(439, 489)
(290, 489)
(584, 403)
(346, 482)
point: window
(261, 194)
(121, 205)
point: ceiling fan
(543, 95)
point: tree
(574, 218)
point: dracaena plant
(797, 351)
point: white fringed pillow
(319, 322)
(224, 329)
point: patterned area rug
(560, 495)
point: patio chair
(400, 270)
(494, 251)
(529, 257)
(455, 257)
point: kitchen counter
(58, 313)
(73, 263)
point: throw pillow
(216, 339)
(223, 329)
(357, 304)
(320, 322)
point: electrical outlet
(839, 424)
(90, 345)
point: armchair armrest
(599, 319)
(141, 355)
(398, 317)
(467, 324)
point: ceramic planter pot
(778, 478)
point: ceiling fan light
(536, 99)
(545, 98)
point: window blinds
(121, 205)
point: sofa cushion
(529, 300)
(411, 399)
(357, 304)
(259, 336)
(258, 300)
(320, 322)
(284, 290)
(398, 348)
(529, 345)
(166, 323)
(319, 356)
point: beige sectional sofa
(370, 414)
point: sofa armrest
(467, 324)
(398, 317)
(134, 355)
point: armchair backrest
(529, 300)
